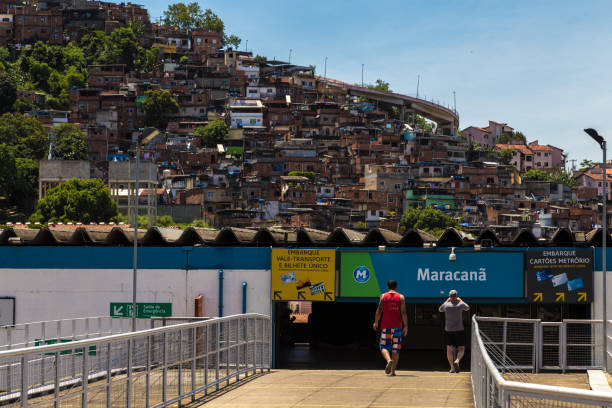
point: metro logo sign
(424, 275)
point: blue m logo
(361, 274)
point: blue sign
(432, 274)
(361, 274)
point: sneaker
(456, 367)
(388, 367)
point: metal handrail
(215, 352)
(506, 388)
(48, 348)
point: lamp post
(147, 133)
(602, 143)
(135, 273)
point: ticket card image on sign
(303, 274)
(559, 275)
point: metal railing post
(128, 392)
(206, 337)
(57, 380)
(228, 336)
(24, 381)
(194, 356)
(263, 348)
(180, 364)
(218, 355)
(109, 374)
(537, 347)
(164, 367)
(148, 374)
(85, 376)
(563, 346)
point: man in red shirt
(394, 325)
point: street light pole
(602, 143)
(135, 274)
(325, 71)
(362, 75)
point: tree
(232, 40)
(8, 92)
(380, 85)
(26, 135)
(190, 16)
(185, 16)
(537, 175)
(124, 48)
(512, 138)
(213, 133)
(586, 163)
(159, 106)
(427, 219)
(563, 176)
(25, 185)
(260, 58)
(76, 201)
(94, 45)
(184, 60)
(505, 156)
(70, 142)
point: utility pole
(362, 75)
(325, 71)
(418, 83)
(246, 46)
(454, 102)
(290, 49)
(573, 164)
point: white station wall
(49, 294)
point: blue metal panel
(88, 257)
(432, 275)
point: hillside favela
(347, 223)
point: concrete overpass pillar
(402, 113)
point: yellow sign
(303, 274)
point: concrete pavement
(347, 389)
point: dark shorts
(391, 339)
(454, 339)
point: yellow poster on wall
(303, 274)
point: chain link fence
(155, 367)
(503, 348)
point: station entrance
(339, 335)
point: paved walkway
(347, 389)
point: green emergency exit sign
(143, 310)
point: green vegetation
(512, 138)
(213, 133)
(165, 221)
(310, 174)
(76, 201)
(159, 106)
(558, 176)
(427, 219)
(70, 142)
(505, 156)
(586, 163)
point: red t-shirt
(391, 311)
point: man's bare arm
(404, 316)
(378, 314)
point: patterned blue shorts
(391, 339)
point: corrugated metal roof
(275, 236)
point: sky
(542, 67)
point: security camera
(452, 257)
